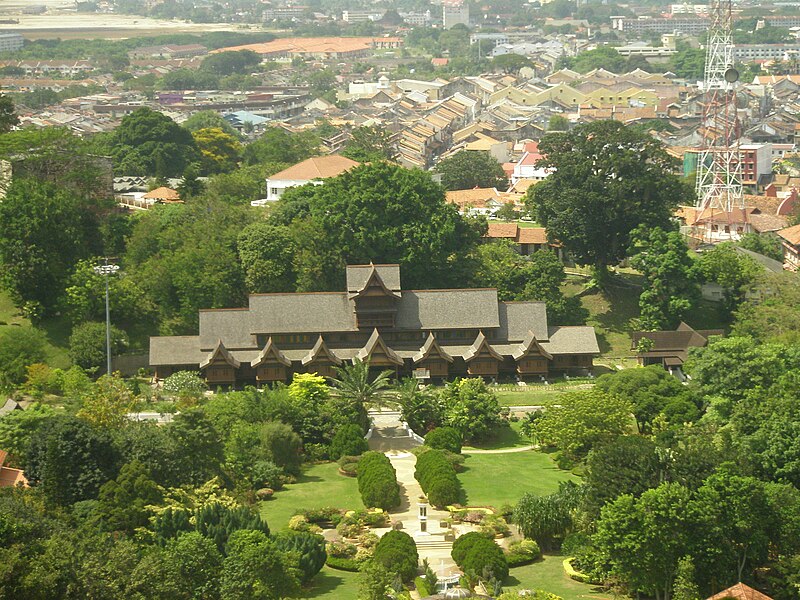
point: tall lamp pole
(106, 270)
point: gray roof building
(430, 333)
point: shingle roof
(431, 346)
(375, 342)
(358, 276)
(320, 351)
(270, 350)
(219, 351)
(503, 230)
(481, 344)
(175, 350)
(740, 591)
(448, 309)
(791, 234)
(517, 318)
(532, 235)
(318, 167)
(301, 313)
(164, 194)
(529, 343)
(476, 198)
(572, 340)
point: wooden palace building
(437, 334)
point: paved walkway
(499, 450)
(390, 437)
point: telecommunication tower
(719, 169)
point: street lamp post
(106, 270)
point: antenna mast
(719, 169)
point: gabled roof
(375, 342)
(431, 346)
(481, 344)
(163, 194)
(791, 234)
(374, 279)
(270, 350)
(740, 591)
(320, 351)
(529, 343)
(318, 167)
(220, 351)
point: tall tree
(46, 231)
(369, 144)
(355, 383)
(219, 150)
(148, 142)
(8, 113)
(381, 213)
(267, 253)
(70, 459)
(732, 270)
(607, 180)
(670, 277)
(255, 569)
(468, 169)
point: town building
(432, 334)
(454, 12)
(790, 240)
(669, 348)
(527, 240)
(10, 477)
(312, 170)
(762, 52)
(360, 16)
(327, 48)
(11, 42)
(650, 25)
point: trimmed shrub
(422, 587)
(343, 564)
(464, 543)
(377, 481)
(523, 552)
(444, 438)
(485, 560)
(397, 552)
(437, 477)
(348, 441)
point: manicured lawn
(497, 479)
(319, 486)
(333, 584)
(536, 395)
(507, 437)
(548, 574)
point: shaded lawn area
(56, 331)
(331, 583)
(505, 437)
(497, 479)
(319, 486)
(548, 574)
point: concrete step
(432, 544)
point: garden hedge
(377, 481)
(438, 478)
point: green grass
(538, 395)
(333, 584)
(497, 479)
(319, 486)
(548, 574)
(56, 331)
(505, 437)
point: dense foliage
(377, 481)
(437, 477)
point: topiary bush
(464, 543)
(437, 477)
(307, 550)
(377, 481)
(523, 552)
(485, 560)
(397, 552)
(348, 441)
(444, 438)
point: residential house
(312, 170)
(669, 348)
(790, 240)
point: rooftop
(318, 167)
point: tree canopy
(469, 169)
(607, 180)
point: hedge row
(377, 481)
(438, 479)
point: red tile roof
(740, 591)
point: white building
(312, 170)
(360, 16)
(11, 42)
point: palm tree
(354, 383)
